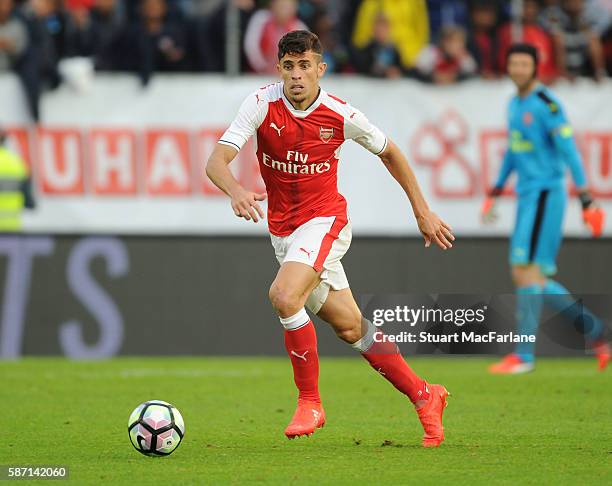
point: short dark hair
(298, 42)
(524, 48)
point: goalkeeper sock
(385, 358)
(301, 346)
(557, 297)
(528, 312)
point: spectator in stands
(202, 8)
(309, 11)
(174, 10)
(599, 15)
(13, 36)
(578, 48)
(596, 13)
(408, 21)
(38, 66)
(55, 22)
(380, 58)
(211, 36)
(72, 6)
(532, 34)
(265, 29)
(95, 33)
(155, 43)
(446, 12)
(607, 36)
(482, 41)
(447, 62)
(335, 52)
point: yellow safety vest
(13, 173)
(409, 24)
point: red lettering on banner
(438, 145)
(116, 167)
(113, 161)
(244, 167)
(597, 154)
(167, 162)
(18, 141)
(60, 161)
(206, 140)
(251, 174)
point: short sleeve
(250, 116)
(358, 128)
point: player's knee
(526, 275)
(284, 301)
(349, 335)
(351, 331)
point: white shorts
(319, 243)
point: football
(156, 428)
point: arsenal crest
(326, 134)
(527, 118)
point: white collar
(303, 113)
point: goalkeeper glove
(488, 214)
(592, 215)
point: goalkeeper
(540, 145)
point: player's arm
(563, 138)
(505, 170)
(244, 203)
(487, 212)
(430, 225)
(250, 115)
(565, 144)
(358, 128)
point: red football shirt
(298, 152)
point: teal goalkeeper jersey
(540, 144)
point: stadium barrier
(100, 296)
(120, 159)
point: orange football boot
(308, 417)
(511, 364)
(430, 415)
(602, 353)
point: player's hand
(594, 217)
(435, 230)
(488, 212)
(245, 205)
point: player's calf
(429, 400)
(301, 346)
(343, 314)
(385, 358)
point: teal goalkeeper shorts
(538, 229)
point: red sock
(301, 346)
(386, 359)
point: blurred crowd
(437, 41)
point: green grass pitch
(553, 426)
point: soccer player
(299, 129)
(540, 145)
